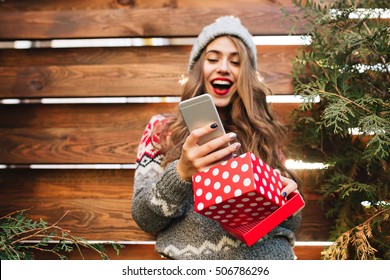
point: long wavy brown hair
(247, 115)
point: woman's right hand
(195, 158)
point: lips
(221, 86)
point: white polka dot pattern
(237, 192)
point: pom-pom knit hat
(226, 25)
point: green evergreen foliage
(347, 66)
(20, 237)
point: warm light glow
(292, 40)
(289, 99)
(82, 166)
(362, 13)
(298, 164)
(23, 44)
(122, 100)
(10, 101)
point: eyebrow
(219, 52)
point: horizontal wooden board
(105, 133)
(110, 219)
(160, 21)
(134, 71)
(175, 54)
(95, 219)
(74, 133)
(66, 184)
(47, 5)
(95, 183)
(102, 80)
(99, 202)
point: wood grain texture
(106, 133)
(74, 133)
(135, 71)
(144, 21)
(61, 5)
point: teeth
(220, 82)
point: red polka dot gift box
(243, 194)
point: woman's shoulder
(158, 119)
(151, 137)
(158, 122)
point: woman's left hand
(289, 185)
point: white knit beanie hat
(226, 25)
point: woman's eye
(212, 60)
(236, 63)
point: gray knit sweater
(163, 204)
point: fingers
(210, 146)
(195, 158)
(196, 134)
(289, 186)
(191, 150)
(221, 155)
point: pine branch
(358, 237)
(16, 230)
(35, 233)
(10, 215)
(338, 94)
(346, 65)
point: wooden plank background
(99, 200)
(137, 19)
(138, 71)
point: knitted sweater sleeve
(159, 193)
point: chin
(220, 103)
(221, 100)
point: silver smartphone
(200, 111)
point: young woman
(223, 64)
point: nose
(223, 67)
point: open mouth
(221, 86)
